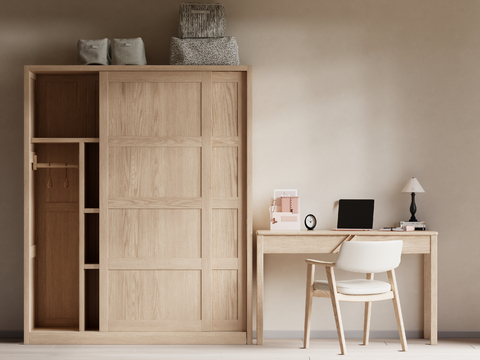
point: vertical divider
(241, 212)
(81, 231)
(103, 200)
(206, 201)
(249, 208)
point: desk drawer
(413, 244)
(325, 244)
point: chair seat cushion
(356, 286)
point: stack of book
(418, 225)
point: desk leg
(259, 290)
(430, 322)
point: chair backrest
(369, 256)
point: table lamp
(413, 186)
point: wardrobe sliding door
(171, 208)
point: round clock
(310, 222)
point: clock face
(310, 222)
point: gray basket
(128, 52)
(220, 51)
(201, 21)
(93, 52)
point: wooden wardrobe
(138, 221)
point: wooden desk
(326, 241)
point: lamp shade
(413, 186)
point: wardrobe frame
(33, 335)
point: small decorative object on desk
(310, 221)
(413, 186)
(417, 225)
(128, 52)
(398, 228)
(285, 210)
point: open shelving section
(63, 141)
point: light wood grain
(155, 203)
(152, 264)
(155, 325)
(154, 172)
(28, 205)
(225, 296)
(138, 338)
(155, 295)
(158, 109)
(95, 69)
(185, 130)
(207, 193)
(155, 141)
(104, 195)
(155, 234)
(336, 308)
(308, 304)
(225, 109)
(248, 210)
(430, 286)
(325, 241)
(225, 172)
(398, 310)
(225, 233)
(260, 295)
(367, 315)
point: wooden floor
(273, 349)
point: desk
(326, 241)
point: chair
(357, 256)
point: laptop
(355, 214)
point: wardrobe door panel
(155, 234)
(155, 300)
(157, 215)
(154, 172)
(229, 193)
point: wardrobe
(138, 218)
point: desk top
(343, 233)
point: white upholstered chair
(357, 256)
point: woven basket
(201, 21)
(220, 51)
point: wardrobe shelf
(63, 140)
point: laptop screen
(355, 214)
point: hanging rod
(65, 165)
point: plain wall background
(350, 99)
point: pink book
(285, 203)
(295, 204)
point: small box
(198, 20)
(93, 52)
(128, 52)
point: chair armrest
(318, 262)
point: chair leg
(398, 311)
(368, 313)
(336, 308)
(308, 304)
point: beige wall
(351, 98)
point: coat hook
(65, 183)
(50, 181)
